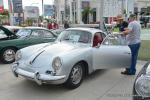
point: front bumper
(37, 77)
(135, 94)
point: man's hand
(127, 31)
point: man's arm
(127, 31)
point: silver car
(76, 53)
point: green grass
(144, 53)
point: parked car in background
(76, 52)
(141, 88)
(10, 42)
(6, 34)
(13, 29)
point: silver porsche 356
(77, 52)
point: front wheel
(75, 77)
(8, 55)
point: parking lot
(101, 85)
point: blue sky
(31, 3)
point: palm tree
(85, 14)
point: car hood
(48, 51)
(40, 57)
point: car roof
(31, 27)
(12, 27)
(91, 30)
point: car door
(47, 36)
(112, 53)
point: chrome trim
(37, 77)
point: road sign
(17, 6)
(48, 10)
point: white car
(77, 52)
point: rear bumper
(37, 77)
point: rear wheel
(75, 77)
(8, 55)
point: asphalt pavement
(101, 85)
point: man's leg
(134, 50)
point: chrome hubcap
(76, 74)
(9, 55)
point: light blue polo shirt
(134, 36)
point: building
(59, 10)
(73, 10)
(140, 5)
(31, 13)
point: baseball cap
(119, 17)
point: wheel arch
(14, 47)
(85, 66)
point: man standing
(66, 25)
(121, 24)
(133, 39)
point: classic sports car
(10, 42)
(141, 88)
(77, 52)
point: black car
(141, 88)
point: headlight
(18, 55)
(142, 86)
(57, 63)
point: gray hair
(132, 16)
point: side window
(2, 34)
(47, 34)
(115, 39)
(35, 33)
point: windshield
(75, 36)
(23, 32)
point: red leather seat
(97, 39)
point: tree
(4, 15)
(85, 14)
(40, 18)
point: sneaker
(127, 73)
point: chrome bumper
(37, 77)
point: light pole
(101, 14)
(74, 11)
(42, 8)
